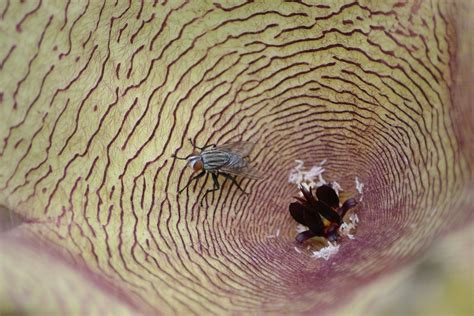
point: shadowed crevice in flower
(96, 97)
(9, 219)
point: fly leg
(192, 179)
(194, 145)
(232, 178)
(215, 188)
(200, 148)
(180, 158)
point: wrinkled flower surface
(95, 97)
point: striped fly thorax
(214, 159)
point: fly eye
(198, 165)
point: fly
(228, 160)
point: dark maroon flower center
(323, 216)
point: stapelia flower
(95, 96)
(323, 217)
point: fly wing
(237, 165)
(247, 171)
(241, 149)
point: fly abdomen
(236, 162)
